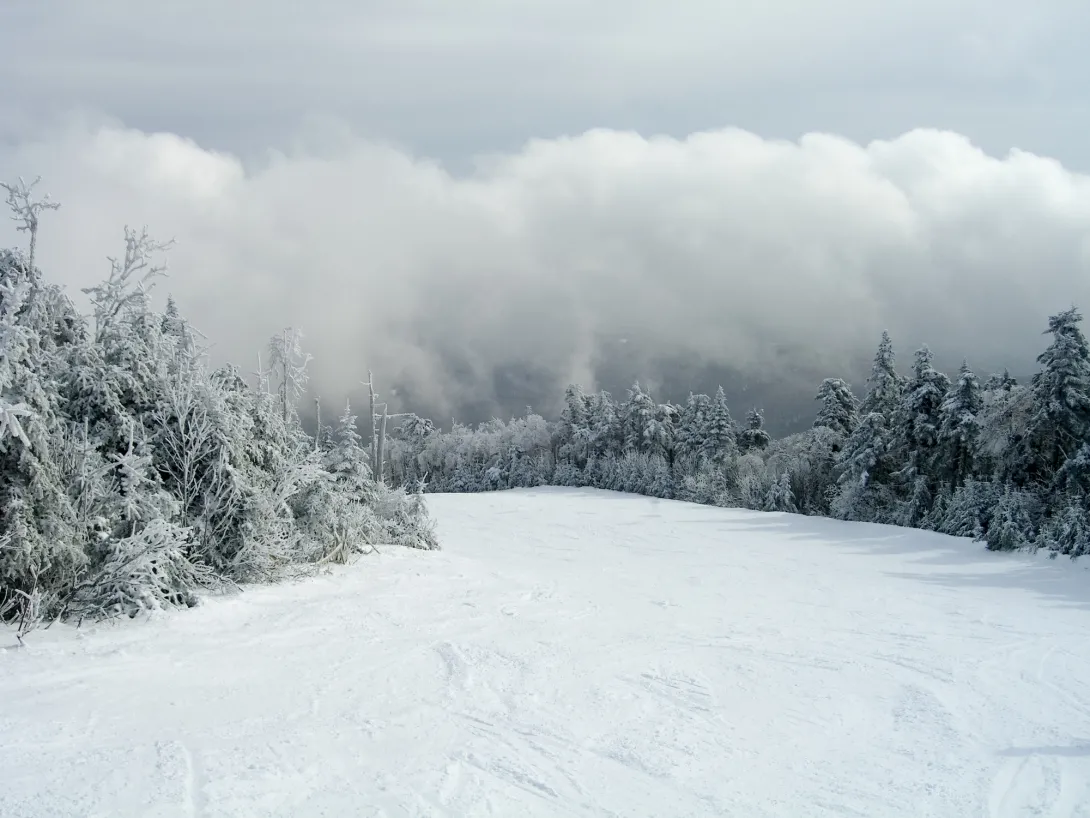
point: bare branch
(25, 210)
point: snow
(577, 653)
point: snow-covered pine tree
(839, 407)
(865, 472)
(720, 444)
(916, 424)
(639, 425)
(1067, 532)
(692, 428)
(753, 438)
(780, 497)
(1060, 422)
(884, 384)
(574, 429)
(970, 508)
(959, 429)
(1013, 523)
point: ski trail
(582, 654)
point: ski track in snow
(580, 653)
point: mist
(597, 258)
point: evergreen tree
(884, 384)
(719, 440)
(780, 497)
(1011, 526)
(1068, 532)
(839, 408)
(865, 472)
(692, 430)
(1061, 399)
(640, 431)
(918, 419)
(574, 438)
(959, 429)
(1001, 382)
(753, 437)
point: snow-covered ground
(578, 653)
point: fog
(597, 258)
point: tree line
(1000, 461)
(133, 475)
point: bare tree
(130, 279)
(287, 359)
(26, 210)
(378, 429)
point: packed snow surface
(577, 653)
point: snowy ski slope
(579, 653)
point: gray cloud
(453, 79)
(487, 277)
(579, 257)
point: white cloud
(721, 248)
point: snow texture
(580, 653)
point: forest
(1003, 462)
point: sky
(483, 200)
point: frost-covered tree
(26, 209)
(884, 384)
(133, 478)
(719, 444)
(575, 434)
(1013, 522)
(839, 408)
(865, 469)
(692, 427)
(1067, 532)
(780, 496)
(288, 362)
(917, 421)
(1061, 399)
(959, 429)
(753, 437)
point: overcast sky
(483, 199)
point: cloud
(452, 79)
(775, 259)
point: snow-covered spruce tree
(1001, 451)
(1014, 520)
(839, 407)
(779, 496)
(868, 460)
(643, 433)
(720, 440)
(573, 435)
(970, 509)
(865, 472)
(884, 385)
(916, 424)
(1060, 422)
(753, 438)
(959, 429)
(692, 428)
(1067, 532)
